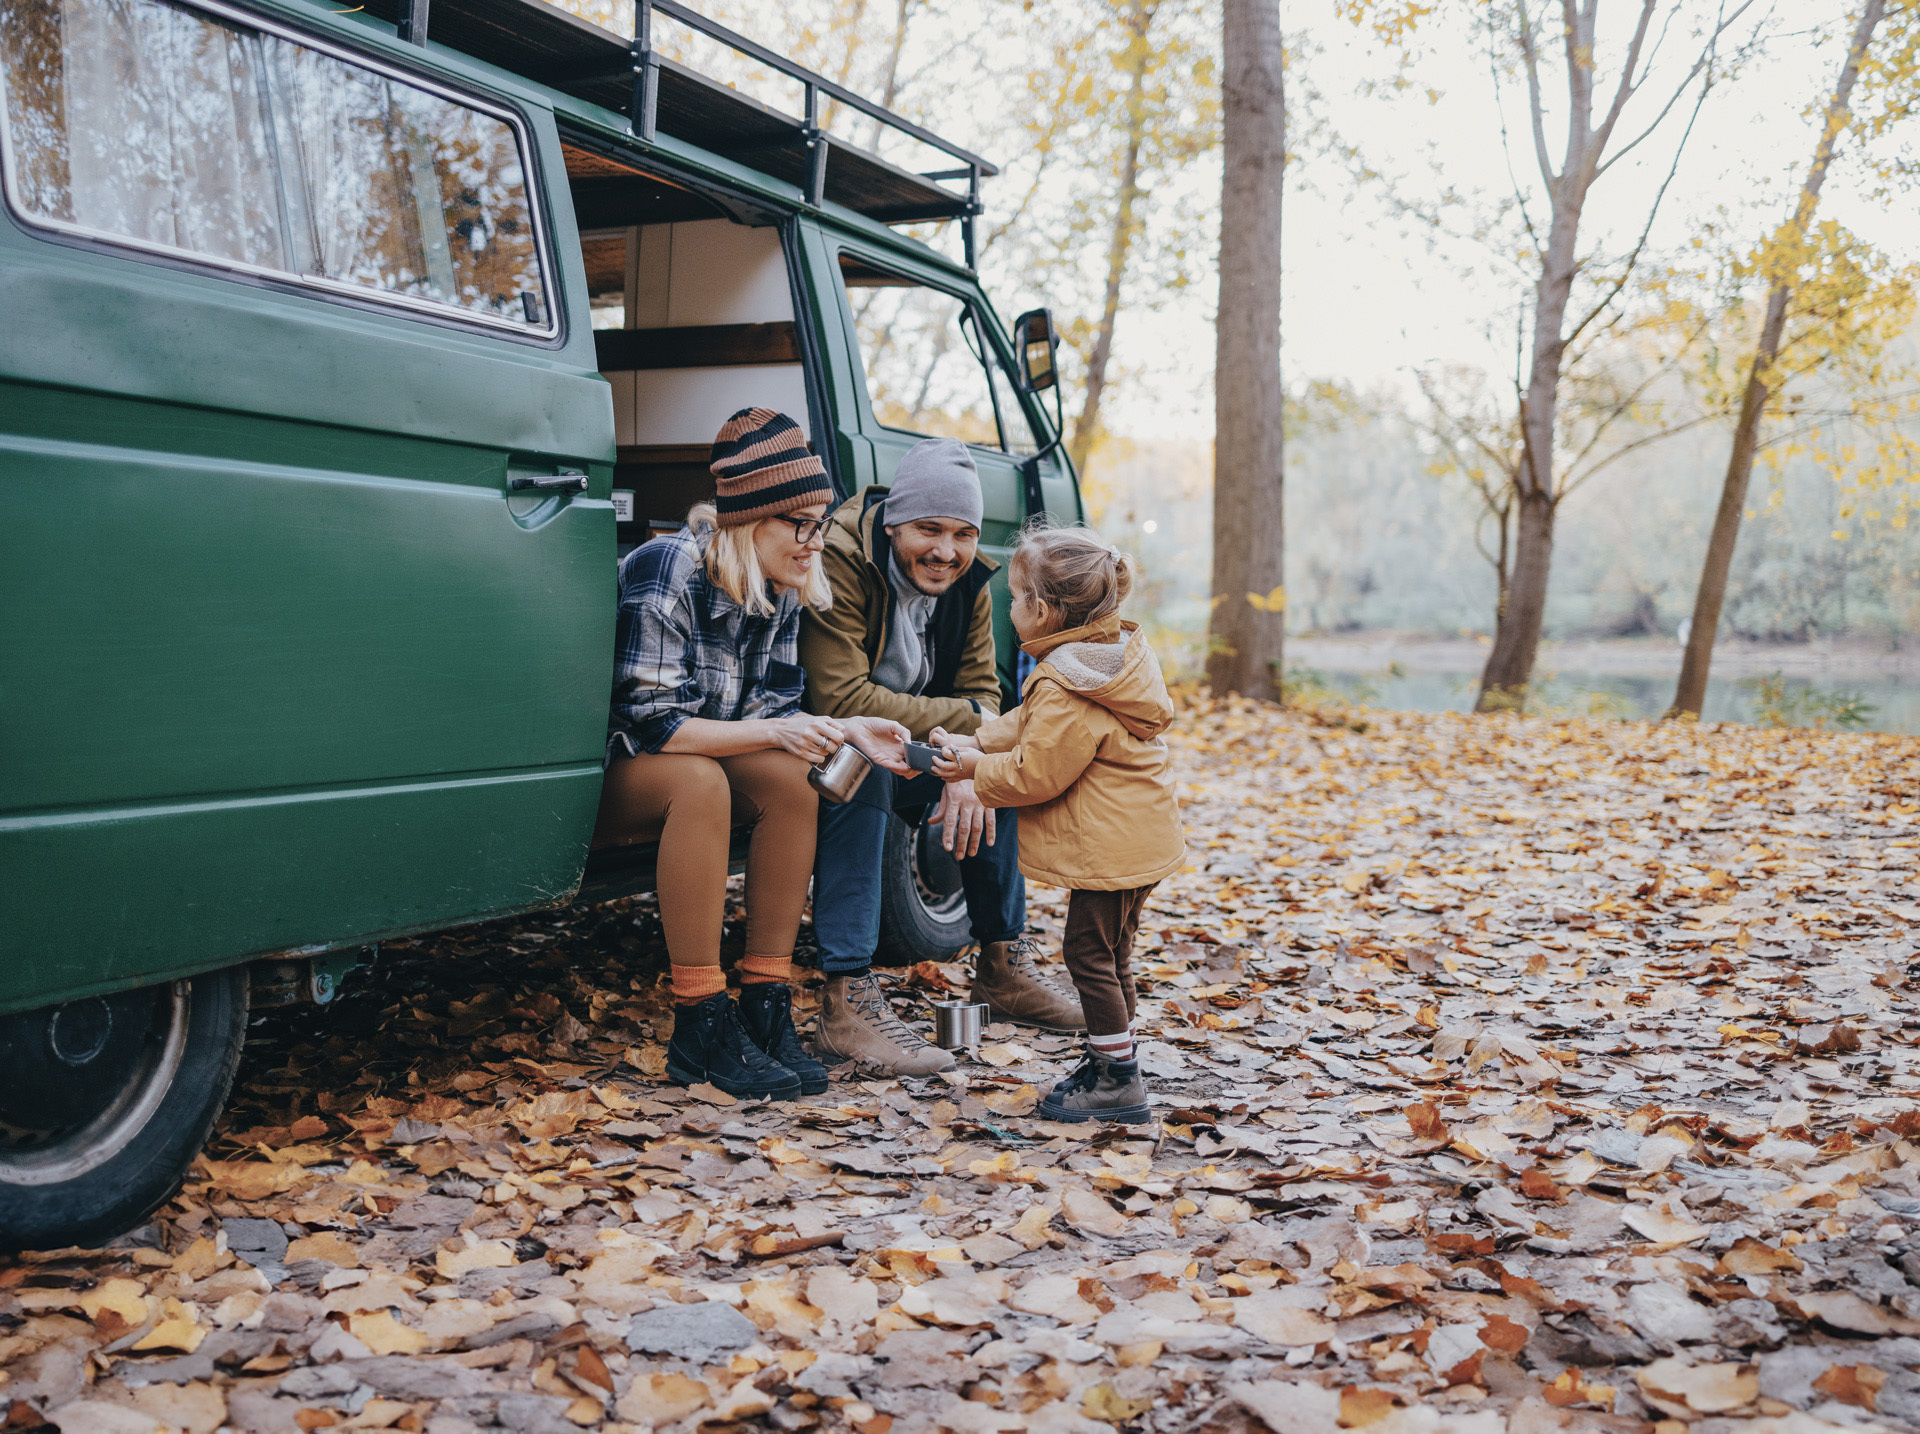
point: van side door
(310, 621)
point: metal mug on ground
(959, 1025)
(840, 776)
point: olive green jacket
(839, 647)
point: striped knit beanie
(761, 467)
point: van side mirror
(1034, 341)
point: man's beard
(913, 572)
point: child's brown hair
(1080, 577)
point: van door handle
(559, 483)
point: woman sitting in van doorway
(707, 735)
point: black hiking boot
(1098, 1089)
(766, 1011)
(709, 1044)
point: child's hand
(956, 764)
(941, 737)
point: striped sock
(766, 971)
(1113, 1048)
(694, 984)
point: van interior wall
(706, 329)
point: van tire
(109, 1173)
(923, 912)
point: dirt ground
(1510, 1075)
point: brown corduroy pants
(1098, 949)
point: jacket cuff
(990, 782)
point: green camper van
(343, 351)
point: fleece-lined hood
(1109, 663)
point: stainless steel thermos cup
(958, 1025)
(840, 776)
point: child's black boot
(1099, 1089)
(766, 1010)
(709, 1044)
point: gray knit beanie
(936, 479)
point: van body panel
(105, 899)
(287, 663)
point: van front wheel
(923, 911)
(105, 1101)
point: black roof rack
(548, 45)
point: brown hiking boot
(1005, 977)
(857, 1022)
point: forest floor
(1512, 1075)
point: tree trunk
(1690, 694)
(1087, 426)
(1516, 633)
(1246, 640)
(1503, 686)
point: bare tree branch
(1628, 85)
(1535, 107)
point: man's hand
(884, 742)
(964, 820)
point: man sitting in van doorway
(909, 638)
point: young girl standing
(1085, 756)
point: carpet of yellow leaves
(1512, 1075)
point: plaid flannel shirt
(683, 648)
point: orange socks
(694, 984)
(766, 970)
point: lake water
(1400, 680)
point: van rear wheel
(105, 1101)
(923, 911)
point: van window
(176, 129)
(922, 354)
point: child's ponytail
(1080, 577)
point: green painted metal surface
(283, 663)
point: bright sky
(1367, 299)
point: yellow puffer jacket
(1084, 755)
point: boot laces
(1084, 1076)
(1020, 960)
(784, 1039)
(870, 1001)
(733, 1032)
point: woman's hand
(956, 764)
(884, 742)
(812, 739)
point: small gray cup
(958, 1025)
(840, 776)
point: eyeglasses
(805, 530)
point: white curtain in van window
(167, 139)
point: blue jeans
(847, 864)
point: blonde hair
(734, 563)
(1078, 576)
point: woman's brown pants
(690, 804)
